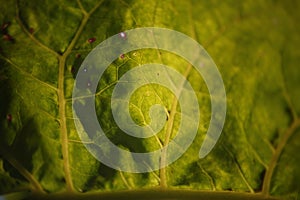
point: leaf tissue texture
(255, 45)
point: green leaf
(253, 43)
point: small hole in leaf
(122, 35)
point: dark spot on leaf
(122, 56)
(274, 139)
(73, 70)
(76, 64)
(261, 175)
(161, 141)
(4, 26)
(9, 117)
(8, 37)
(288, 111)
(31, 30)
(91, 40)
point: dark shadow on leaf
(24, 146)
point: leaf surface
(254, 44)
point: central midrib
(62, 101)
(62, 107)
(63, 124)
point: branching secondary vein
(269, 173)
(5, 152)
(31, 35)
